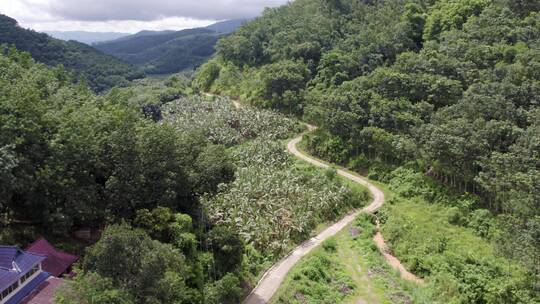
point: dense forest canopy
(100, 71)
(447, 88)
(70, 159)
(161, 170)
(73, 158)
(438, 100)
(451, 82)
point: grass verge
(346, 269)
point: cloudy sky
(128, 16)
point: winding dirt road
(272, 279)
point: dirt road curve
(272, 279)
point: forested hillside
(169, 51)
(413, 91)
(161, 172)
(100, 71)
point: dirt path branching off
(272, 279)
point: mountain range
(99, 70)
(90, 38)
(86, 37)
(106, 64)
(165, 52)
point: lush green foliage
(319, 43)
(451, 84)
(147, 269)
(274, 206)
(128, 266)
(348, 268)
(91, 289)
(320, 279)
(100, 71)
(449, 88)
(222, 123)
(271, 205)
(459, 260)
(72, 159)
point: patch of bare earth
(392, 260)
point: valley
(313, 151)
(166, 52)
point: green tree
(147, 269)
(227, 290)
(91, 288)
(283, 84)
(447, 15)
(228, 249)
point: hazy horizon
(124, 16)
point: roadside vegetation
(272, 203)
(456, 249)
(444, 94)
(275, 205)
(347, 268)
(437, 100)
(195, 197)
(439, 236)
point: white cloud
(124, 26)
(99, 10)
(128, 15)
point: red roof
(57, 262)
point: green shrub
(91, 288)
(379, 172)
(225, 291)
(330, 173)
(206, 75)
(328, 147)
(359, 163)
(482, 222)
(319, 278)
(330, 245)
(456, 216)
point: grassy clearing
(458, 264)
(345, 269)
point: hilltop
(165, 52)
(101, 71)
(86, 37)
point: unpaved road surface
(272, 279)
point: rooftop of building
(14, 263)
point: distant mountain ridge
(86, 37)
(101, 71)
(164, 52)
(227, 27)
(90, 38)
